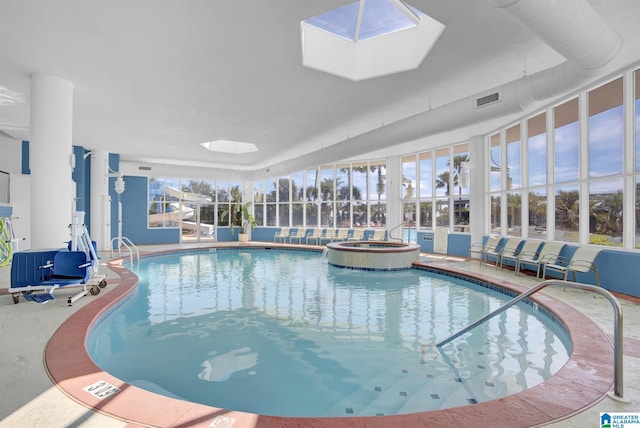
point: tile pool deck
(55, 333)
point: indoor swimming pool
(281, 332)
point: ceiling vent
(488, 99)
(144, 168)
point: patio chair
(583, 260)
(509, 249)
(357, 235)
(298, 235)
(328, 236)
(548, 255)
(530, 247)
(507, 245)
(341, 235)
(316, 235)
(378, 235)
(282, 235)
(479, 248)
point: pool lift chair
(49, 270)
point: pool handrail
(617, 325)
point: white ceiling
(155, 78)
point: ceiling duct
(571, 27)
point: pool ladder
(617, 326)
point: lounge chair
(378, 235)
(509, 247)
(548, 254)
(282, 235)
(316, 235)
(357, 235)
(583, 260)
(482, 249)
(530, 246)
(328, 236)
(299, 235)
(341, 235)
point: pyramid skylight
(368, 38)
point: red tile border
(582, 382)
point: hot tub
(373, 255)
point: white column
(479, 214)
(100, 201)
(394, 192)
(52, 189)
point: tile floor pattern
(30, 398)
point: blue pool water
(280, 332)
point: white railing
(128, 245)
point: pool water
(280, 332)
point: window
(297, 206)
(359, 192)
(343, 194)
(326, 196)
(538, 213)
(163, 203)
(426, 190)
(514, 158)
(409, 191)
(606, 130)
(537, 149)
(514, 214)
(605, 212)
(311, 197)
(494, 163)
(567, 201)
(566, 141)
(259, 201)
(460, 194)
(378, 193)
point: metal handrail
(617, 326)
(130, 246)
(401, 225)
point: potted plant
(241, 218)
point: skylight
(368, 38)
(379, 17)
(228, 146)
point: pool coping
(582, 382)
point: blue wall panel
(425, 240)
(5, 211)
(264, 234)
(25, 158)
(458, 244)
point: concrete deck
(31, 398)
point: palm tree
(443, 181)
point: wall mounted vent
(144, 168)
(488, 99)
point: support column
(394, 192)
(52, 189)
(478, 212)
(100, 200)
